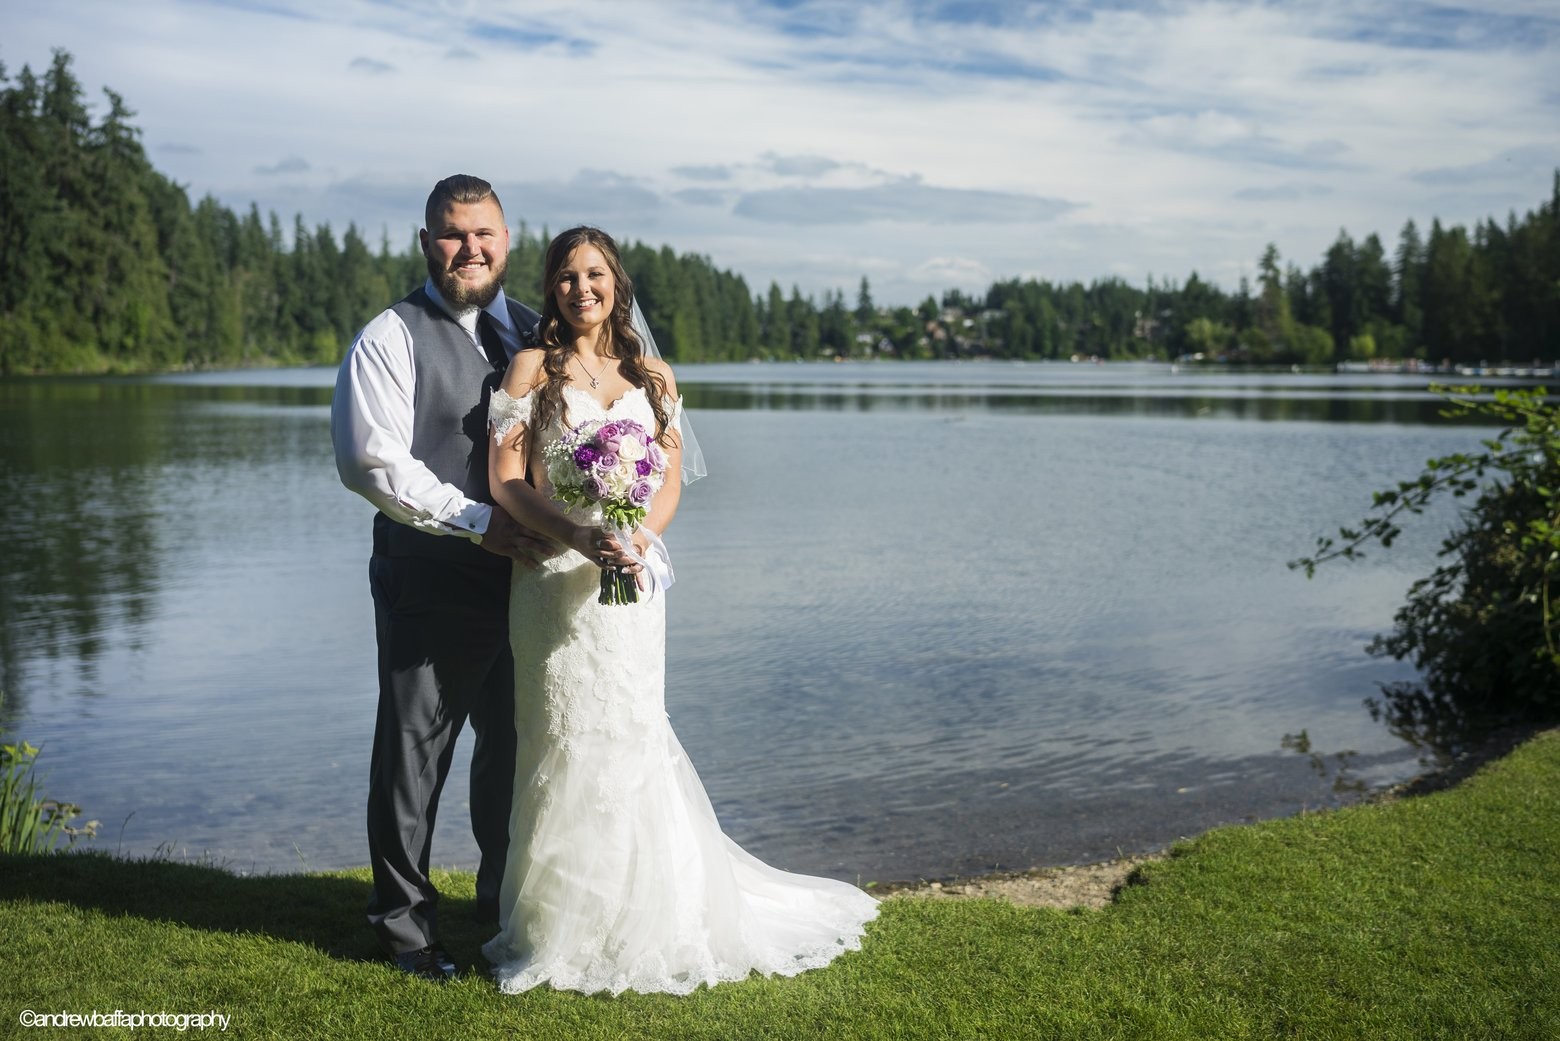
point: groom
(409, 425)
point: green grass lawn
(1431, 917)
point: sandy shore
(1082, 885)
(1095, 885)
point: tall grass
(29, 821)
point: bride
(618, 876)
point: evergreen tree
(26, 218)
(805, 330)
(834, 326)
(1273, 310)
(1339, 286)
(1408, 287)
(865, 310)
(776, 333)
(1449, 295)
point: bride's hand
(601, 547)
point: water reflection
(1131, 389)
(73, 462)
(1441, 726)
(1323, 408)
(1338, 768)
(1443, 723)
(101, 479)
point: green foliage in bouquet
(614, 512)
(1484, 627)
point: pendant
(593, 384)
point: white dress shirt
(371, 424)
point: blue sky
(926, 145)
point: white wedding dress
(619, 877)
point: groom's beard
(460, 294)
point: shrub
(1484, 627)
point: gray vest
(449, 423)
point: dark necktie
(492, 346)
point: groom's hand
(508, 538)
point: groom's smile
(468, 253)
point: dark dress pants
(443, 634)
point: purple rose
(639, 493)
(656, 457)
(643, 468)
(607, 437)
(584, 456)
(606, 462)
(594, 488)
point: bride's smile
(585, 291)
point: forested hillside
(106, 265)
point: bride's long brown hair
(556, 336)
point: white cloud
(598, 197)
(810, 142)
(1287, 192)
(1207, 129)
(906, 201)
(801, 165)
(1509, 168)
(704, 173)
(963, 273)
(291, 165)
(372, 66)
(703, 196)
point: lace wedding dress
(619, 877)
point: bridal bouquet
(614, 464)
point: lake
(930, 619)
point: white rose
(631, 449)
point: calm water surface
(930, 618)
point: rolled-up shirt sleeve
(371, 429)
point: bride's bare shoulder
(663, 370)
(525, 373)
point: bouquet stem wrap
(619, 587)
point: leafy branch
(1495, 603)
(1458, 474)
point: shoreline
(1080, 884)
(1095, 885)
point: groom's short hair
(457, 189)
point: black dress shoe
(429, 963)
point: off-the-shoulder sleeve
(504, 412)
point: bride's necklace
(595, 382)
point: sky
(923, 145)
